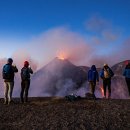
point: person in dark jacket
(25, 83)
(92, 78)
(8, 72)
(127, 76)
(106, 74)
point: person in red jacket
(25, 81)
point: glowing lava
(61, 56)
(102, 91)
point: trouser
(24, 90)
(107, 83)
(8, 89)
(128, 84)
(92, 86)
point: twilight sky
(42, 28)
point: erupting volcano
(61, 55)
(60, 77)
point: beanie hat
(105, 65)
(26, 63)
(10, 60)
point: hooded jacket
(111, 74)
(93, 74)
(126, 72)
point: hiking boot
(109, 97)
(5, 102)
(21, 101)
(10, 102)
(26, 100)
(104, 97)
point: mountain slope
(58, 77)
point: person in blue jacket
(127, 76)
(106, 74)
(92, 78)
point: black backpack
(25, 75)
(7, 71)
(72, 98)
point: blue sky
(22, 20)
(34, 16)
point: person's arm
(88, 76)
(97, 76)
(30, 70)
(101, 74)
(112, 73)
(15, 69)
(124, 73)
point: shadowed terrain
(59, 114)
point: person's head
(10, 61)
(128, 65)
(93, 67)
(26, 64)
(106, 66)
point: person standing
(93, 77)
(106, 74)
(25, 81)
(8, 73)
(127, 76)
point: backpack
(7, 71)
(110, 72)
(25, 75)
(72, 98)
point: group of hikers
(106, 74)
(9, 71)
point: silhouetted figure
(106, 74)
(25, 83)
(92, 78)
(127, 76)
(8, 76)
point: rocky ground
(59, 114)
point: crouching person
(25, 81)
(8, 72)
(93, 77)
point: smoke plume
(102, 43)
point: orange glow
(61, 56)
(102, 91)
